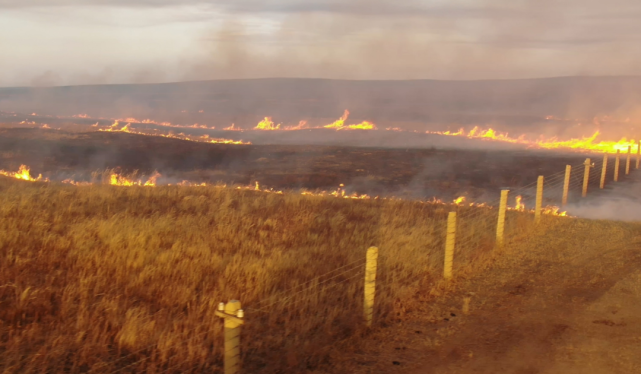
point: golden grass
(102, 278)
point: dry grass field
(104, 278)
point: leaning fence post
(500, 226)
(617, 162)
(627, 162)
(604, 169)
(450, 242)
(586, 177)
(539, 199)
(370, 284)
(566, 185)
(638, 153)
(233, 318)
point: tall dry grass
(126, 279)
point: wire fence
(321, 310)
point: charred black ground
(418, 173)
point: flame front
(267, 124)
(588, 143)
(23, 173)
(116, 179)
(201, 139)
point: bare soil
(570, 306)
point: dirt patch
(541, 310)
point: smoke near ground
(620, 202)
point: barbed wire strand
(307, 289)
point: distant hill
(288, 100)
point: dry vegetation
(102, 279)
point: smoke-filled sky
(60, 42)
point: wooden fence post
(627, 162)
(450, 242)
(539, 199)
(566, 185)
(604, 169)
(500, 226)
(617, 162)
(370, 284)
(233, 318)
(586, 177)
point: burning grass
(99, 278)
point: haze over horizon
(72, 42)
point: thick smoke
(353, 39)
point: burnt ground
(419, 173)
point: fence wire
(476, 232)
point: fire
(588, 143)
(23, 173)
(201, 139)
(116, 179)
(339, 124)
(365, 125)
(232, 128)
(301, 125)
(518, 204)
(459, 200)
(267, 124)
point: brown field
(126, 279)
(408, 173)
(93, 274)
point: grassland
(105, 278)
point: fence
(570, 185)
(323, 306)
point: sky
(69, 42)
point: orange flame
(519, 205)
(201, 139)
(232, 128)
(589, 143)
(339, 123)
(120, 180)
(23, 173)
(459, 200)
(267, 124)
(301, 125)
